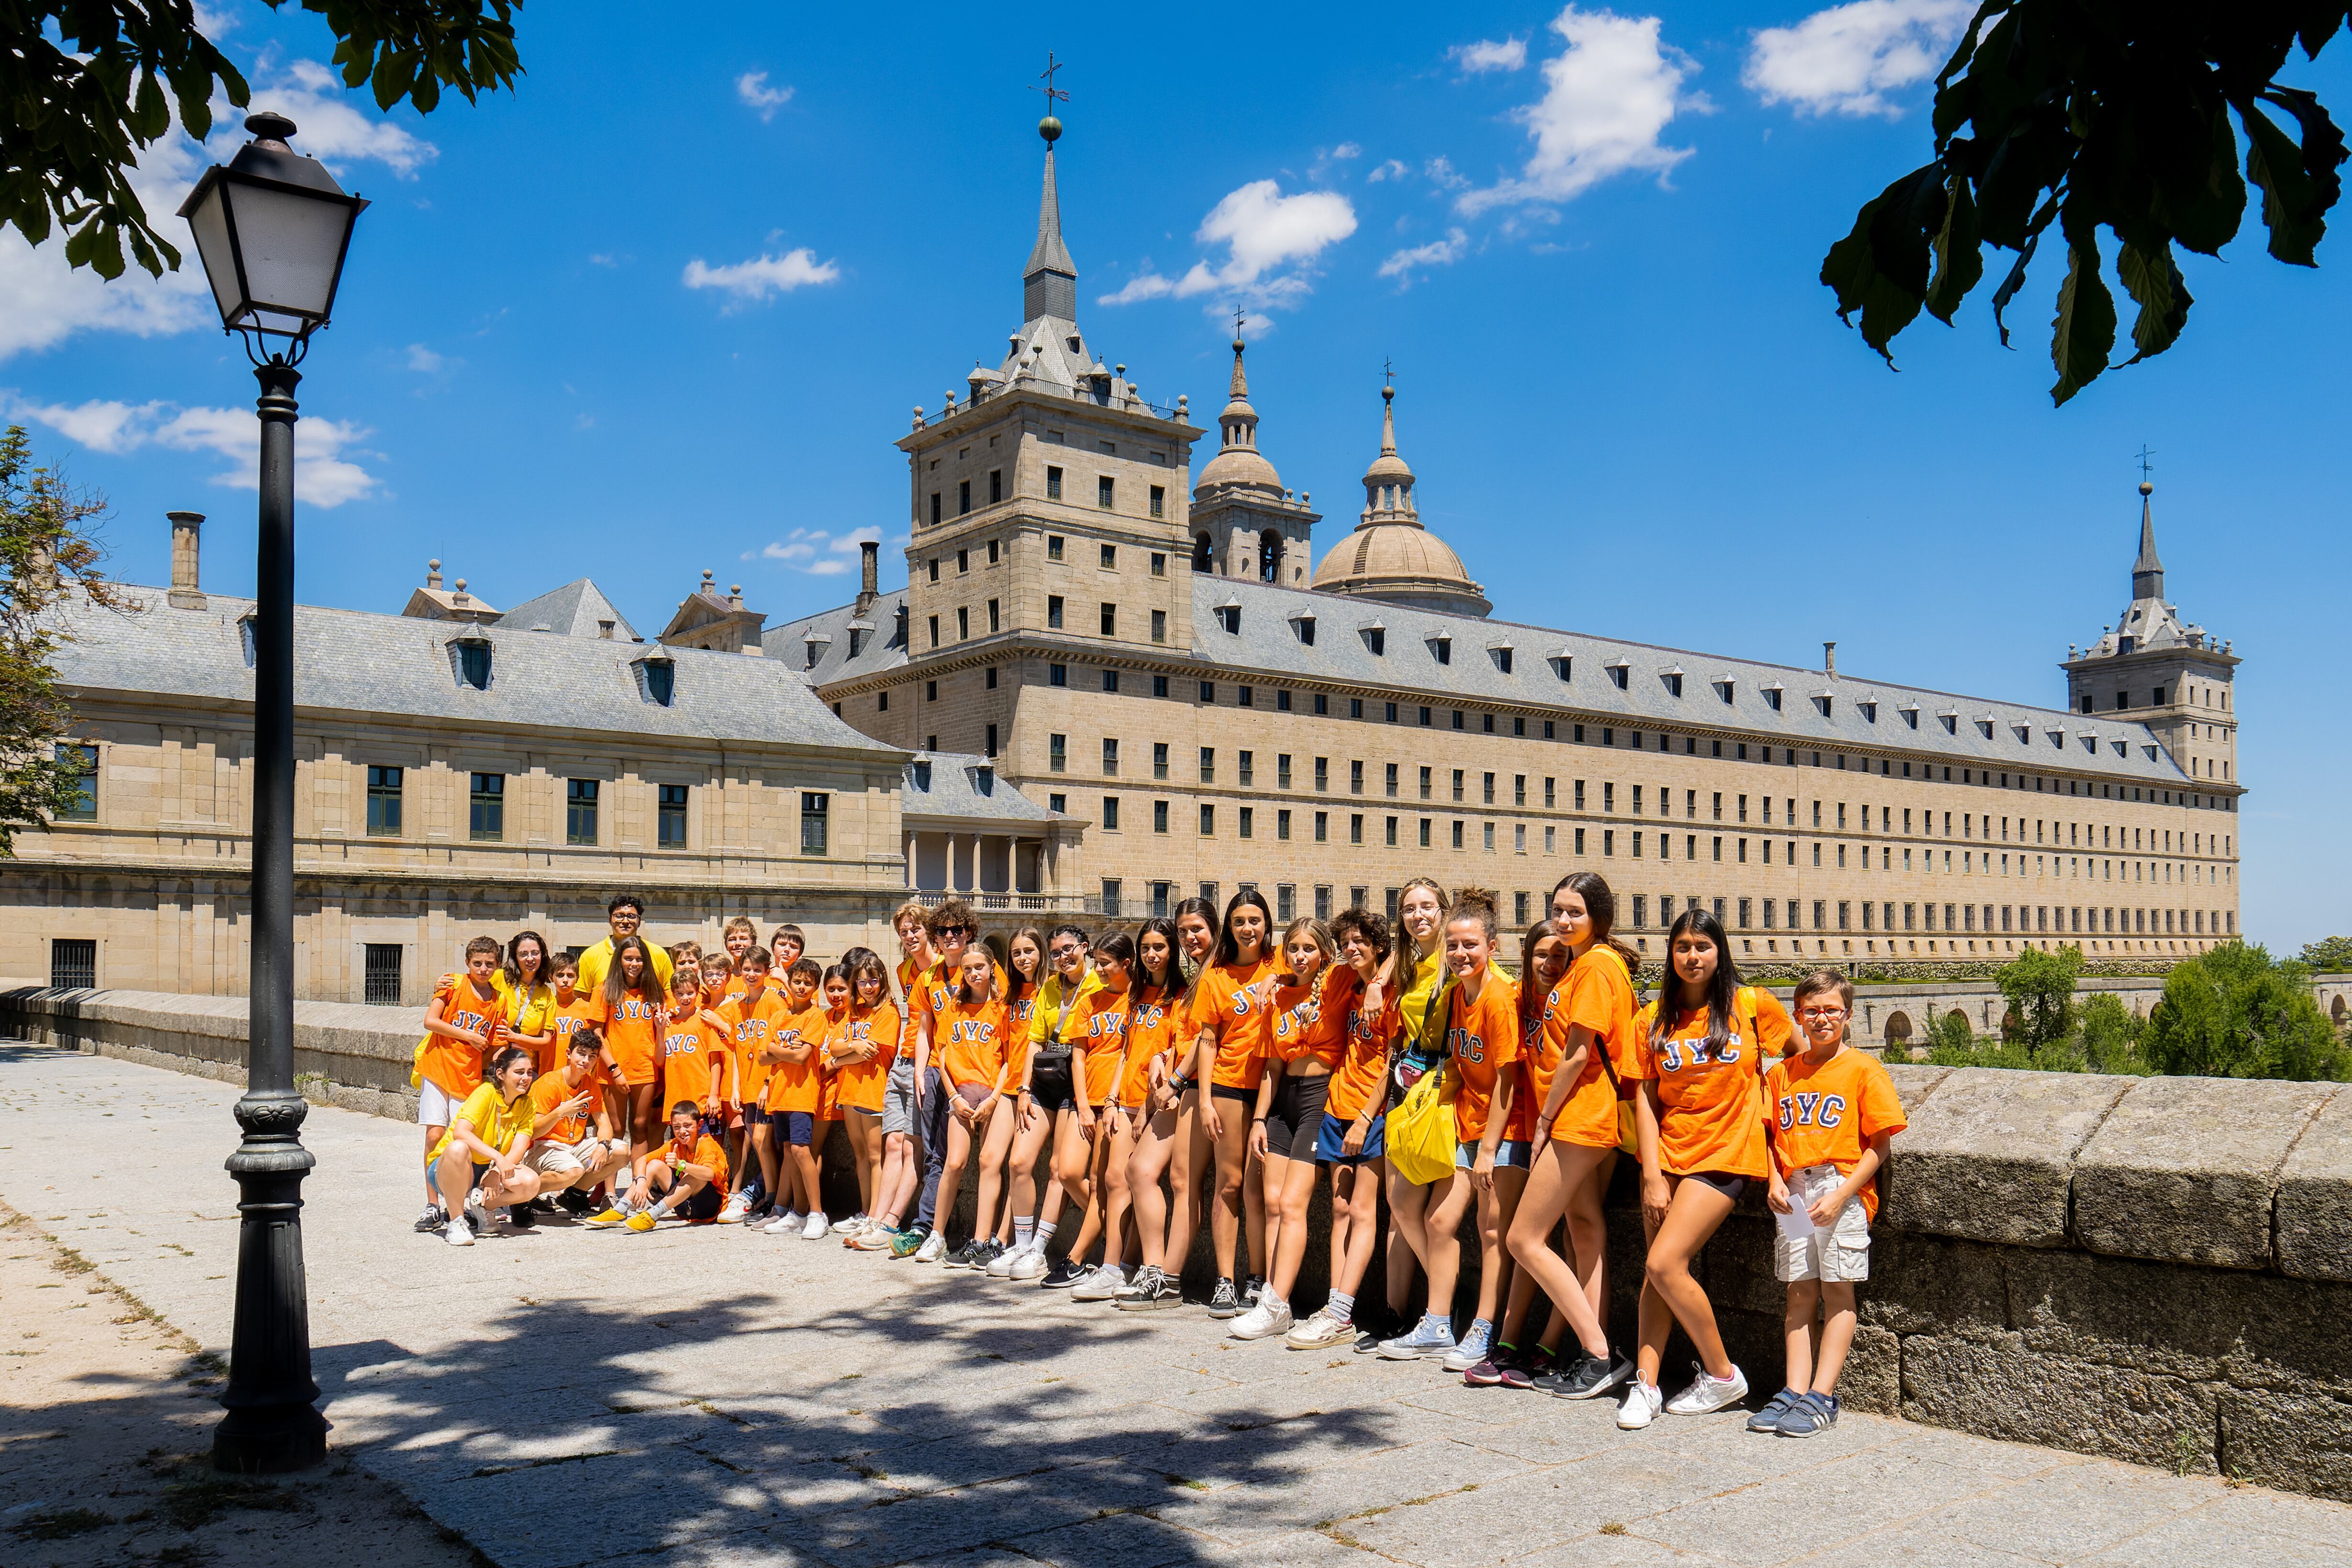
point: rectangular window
(73, 963)
(1110, 757)
(1110, 814)
(1208, 765)
(1286, 902)
(381, 974)
(1208, 691)
(1282, 770)
(991, 739)
(79, 764)
(1104, 491)
(1247, 770)
(1159, 759)
(1159, 569)
(996, 617)
(1489, 790)
(1111, 895)
(1053, 545)
(1322, 827)
(963, 622)
(1322, 901)
(669, 817)
(1208, 822)
(579, 811)
(1355, 827)
(1392, 832)
(1160, 816)
(1282, 826)
(1110, 620)
(1425, 777)
(1054, 611)
(1424, 833)
(963, 508)
(485, 816)
(995, 493)
(935, 508)
(815, 812)
(384, 802)
(1159, 625)
(1053, 493)
(1246, 696)
(1158, 504)
(1322, 773)
(1057, 674)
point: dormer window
(1723, 687)
(856, 640)
(1229, 616)
(1772, 696)
(1869, 707)
(1674, 679)
(1824, 701)
(1984, 725)
(1951, 721)
(1376, 639)
(1441, 648)
(818, 642)
(658, 679)
(473, 656)
(2090, 740)
(922, 770)
(2122, 748)
(2058, 739)
(2024, 732)
(1620, 671)
(1562, 663)
(1501, 653)
(1910, 712)
(1305, 626)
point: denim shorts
(1333, 1136)
(1509, 1151)
(800, 1126)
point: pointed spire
(1049, 284)
(1387, 422)
(1388, 483)
(1239, 390)
(2147, 571)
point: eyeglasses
(1067, 950)
(955, 931)
(1822, 1013)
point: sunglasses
(955, 931)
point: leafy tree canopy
(85, 84)
(2235, 1012)
(2329, 956)
(46, 552)
(2119, 115)
(2040, 987)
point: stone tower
(2172, 676)
(1390, 557)
(1244, 523)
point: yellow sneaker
(642, 1220)
(605, 1221)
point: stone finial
(706, 577)
(919, 416)
(433, 574)
(735, 596)
(459, 597)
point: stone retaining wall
(2156, 1270)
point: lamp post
(272, 228)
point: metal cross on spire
(2145, 454)
(1049, 89)
(1240, 317)
(1388, 371)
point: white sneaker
(934, 1247)
(458, 1233)
(1000, 1266)
(1106, 1281)
(738, 1206)
(1268, 1317)
(1319, 1333)
(1641, 1406)
(817, 1228)
(477, 1213)
(1706, 1395)
(782, 1224)
(1030, 1265)
(849, 1226)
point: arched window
(1269, 556)
(1203, 553)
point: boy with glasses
(953, 927)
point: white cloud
(766, 275)
(334, 128)
(819, 552)
(752, 88)
(1390, 169)
(1844, 60)
(323, 474)
(1346, 150)
(424, 361)
(1271, 244)
(1436, 253)
(1607, 98)
(1488, 55)
(1442, 174)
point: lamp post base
(273, 1424)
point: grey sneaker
(1431, 1337)
(1473, 1348)
(1768, 1418)
(1811, 1413)
(1226, 1302)
(1145, 1294)
(432, 1219)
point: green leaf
(150, 117)
(1881, 267)
(1959, 253)
(2083, 333)
(2163, 295)
(2016, 279)
(2292, 204)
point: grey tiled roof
(879, 645)
(571, 610)
(356, 662)
(959, 784)
(1268, 644)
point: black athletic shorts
(1227, 1092)
(703, 1204)
(1724, 1182)
(1296, 1117)
(1051, 1086)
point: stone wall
(2156, 1270)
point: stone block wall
(2153, 1269)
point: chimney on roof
(1829, 659)
(432, 574)
(605, 629)
(185, 592)
(869, 575)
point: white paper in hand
(1796, 1225)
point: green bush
(2329, 956)
(2236, 1012)
(2107, 1034)
(2040, 986)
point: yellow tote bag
(1420, 1132)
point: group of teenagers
(1205, 1061)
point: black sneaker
(987, 1252)
(434, 1217)
(1226, 1302)
(520, 1216)
(1253, 1288)
(1369, 1342)
(1152, 1290)
(960, 1257)
(574, 1202)
(1588, 1375)
(1060, 1277)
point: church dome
(1238, 461)
(1390, 557)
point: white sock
(1024, 1230)
(1044, 1233)
(661, 1210)
(1341, 1306)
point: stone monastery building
(1106, 686)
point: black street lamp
(272, 228)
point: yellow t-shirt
(533, 1013)
(598, 961)
(493, 1120)
(1051, 1000)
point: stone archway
(1957, 1015)
(1898, 1032)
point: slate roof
(880, 647)
(961, 784)
(571, 610)
(357, 663)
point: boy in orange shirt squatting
(690, 1172)
(461, 1023)
(1831, 1110)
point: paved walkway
(718, 1397)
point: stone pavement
(717, 1398)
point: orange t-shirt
(1483, 1036)
(549, 1092)
(1312, 1021)
(1150, 1031)
(908, 974)
(633, 1033)
(1363, 1063)
(1710, 1104)
(695, 1062)
(798, 1085)
(1826, 1115)
(1022, 1014)
(970, 1040)
(749, 1026)
(828, 1077)
(564, 1021)
(937, 987)
(451, 1065)
(1234, 1000)
(1098, 1030)
(1588, 1113)
(707, 1154)
(862, 1082)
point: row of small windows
(1105, 495)
(486, 809)
(1054, 544)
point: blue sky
(664, 308)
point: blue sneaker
(1768, 1418)
(1473, 1348)
(1811, 1413)
(1433, 1336)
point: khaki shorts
(1839, 1255)
(564, 1159)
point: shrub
(2040, 986)
(2236, 1012)
(2329, 956)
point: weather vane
(2145, 454)
(1049, 89)
(1240, 315)
(1388, 371)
